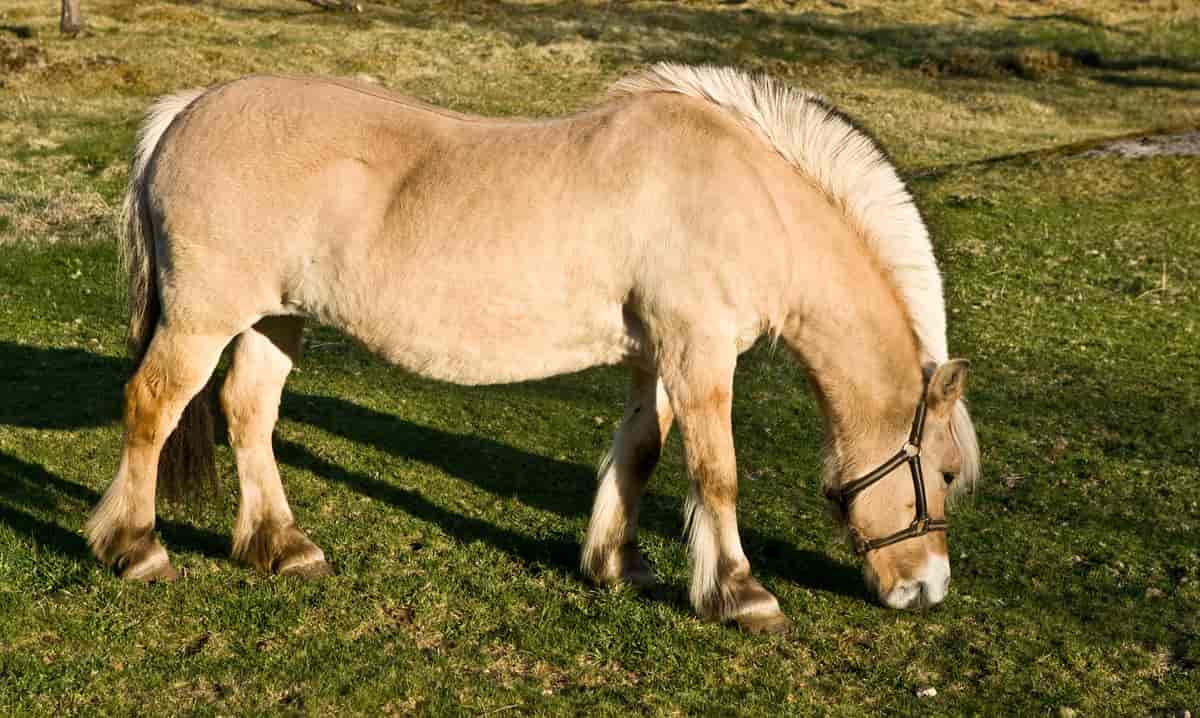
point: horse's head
(894, 506)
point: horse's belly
(533, 350)
(470, 335)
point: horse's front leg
(701, 391)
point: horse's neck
(857, 342)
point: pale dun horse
(668, 229)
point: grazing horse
(694, 211)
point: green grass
(454, 516)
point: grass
(454, 515)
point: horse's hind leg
(121, 530)
(265, 535)
(699, 381)
(610, 553)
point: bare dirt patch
(1030, 63)
(16, 56)
(1182, 144)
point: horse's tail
(186, 464)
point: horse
(692, 212)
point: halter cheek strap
(910, 454)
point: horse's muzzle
(924, 590)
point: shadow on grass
(22, 31)
(553, 553)
(1127, 81)
(74, 389)
(559, 487)
(28, 490)
(1070, 19)
(773, 557)
(58, 388)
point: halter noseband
(910, 454)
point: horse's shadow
(74, 389)
(548, 484)
(27, 489)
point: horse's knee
(643, 456)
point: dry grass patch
(36, 212)
(1029, 63)
(1002, 77)
(16, 55)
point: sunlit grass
(454, 516)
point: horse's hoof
(149, 571)
(311, 571)
(622, 567)
(146, 561)
(635, 570)
(641, 577)
(769, 623)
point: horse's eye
(948, 478)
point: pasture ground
(454, 516)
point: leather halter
(910, 454)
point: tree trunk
(71, 20)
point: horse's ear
(947, 385)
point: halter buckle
(912, 450)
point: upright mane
(850, 167)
